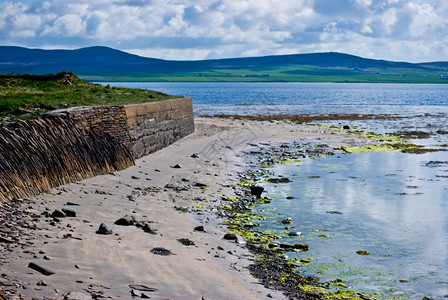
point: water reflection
(392, 205)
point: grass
(26, 96)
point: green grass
(31, 95)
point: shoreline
(173, 191)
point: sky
(413, 30)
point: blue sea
(393, 205)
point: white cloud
(187, 29)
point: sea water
(392, 205)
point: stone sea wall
(78, 143)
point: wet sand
(171, 191)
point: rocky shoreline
(159, 229)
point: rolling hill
(106, 64)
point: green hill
(106, 64)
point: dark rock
(71, 204)
(199, 228)
(69, 212)
(135, 177)
(287, 221)
(149, 228)
(346, 127)
(302, 247)
(294, 233)
(315, 293)
(104, 229)
(177, 166)
(161, 251)
(195, 155)
(5, 240)
(142, 288)
(287, 247)
(201, 185)
(274, 245)
(278, 180)
(169, 186)
(256, 190)
(363, 252)
(186, 242)
(42, 283)
(125, 221)
(58, 214)
(230, 237)
(333, 212)
(40, 269)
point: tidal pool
(392, 205)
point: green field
(288, 74)
(29, 96)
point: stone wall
(77, 143)
(143, 128)
(153, 126)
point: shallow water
(393, 205)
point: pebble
(125, 221)
(104, 229)
(69, 212)
(199, 228)
(58, 214)
(230, 237)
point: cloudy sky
(412, 30)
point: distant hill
(106, 64)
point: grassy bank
(27, 96)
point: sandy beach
(168, 196)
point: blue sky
(413, 30)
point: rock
(186, 242)
(149, 228)
(201, 185)
(194, 155)
(334, 212)
(69, 212)
(161, 251)
(274, 245)
(287, 221)
(199, 228)
(287, 247)
(256, 190)
(302, 247)
(71, 204)
(169, 186)
(294, 233)
(40, 269)
(363, 252)
(77, 296)
(346, 127)
(58, 214)
(125, 221)
(135, 177)
(177, 166)
(5, 240)
(42, 283)
(142, 288)
(315, 293)
(230, 237)
(104, 229)
(278, 180)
